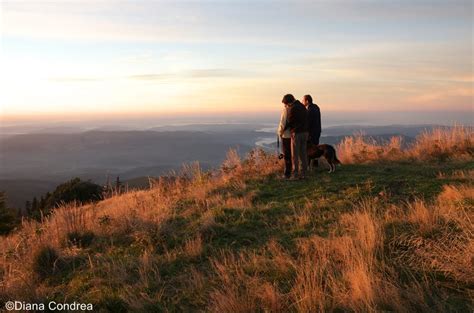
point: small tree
(7, 219)
(42, 202)
(34, 205)
(73, 190)
(118, 186)
(28, 207)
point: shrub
(105, 220)
(114, 304)
(81, 238)
(44, 262)
(73, 191)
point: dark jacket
(314, 120)
(297, 118)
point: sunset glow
(121, 57)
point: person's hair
(287, 99)
(309, 98)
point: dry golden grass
(193, 247)
(456, 143)
(378, 257)
(138, 215)
(257, 164)
(358, 149)
(356, 270)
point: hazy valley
(33, 160)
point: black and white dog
(326, 151)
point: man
(298, 125)
(314, 119)
(285, 135)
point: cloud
(402, 62)
(260, 23)
(152, 76)
(68, 26)
(463, 96)
(196, 73)
(372, 51)
(74, 79)
(104, 20)
(387, 10)
(215, 72)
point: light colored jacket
(283, 121)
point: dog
(324, 150)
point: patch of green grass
(399, 181)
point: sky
(104, 58)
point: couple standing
(300, 123)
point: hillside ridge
(393, 234)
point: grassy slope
(330, 194)
(357, 240)
(270, 217)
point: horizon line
(173, 114)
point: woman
(285, 135)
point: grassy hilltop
(390, 231)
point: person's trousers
(314, 138)
(299, 143)
(286, 143)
